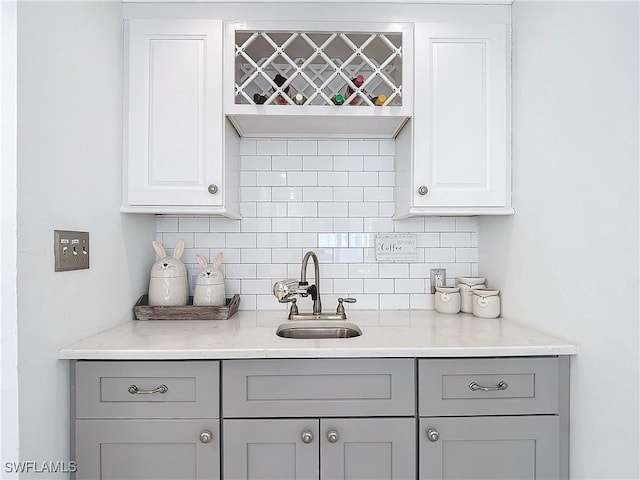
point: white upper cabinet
(454, 156)
(180, 156)
(323, 79)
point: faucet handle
(294, 308)
(340, 309)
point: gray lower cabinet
(493, 418)
(182, 449)
(327, 448)
(143, 420)
(492, 448)
(329, 419)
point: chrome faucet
(313, 290)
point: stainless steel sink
(318, 329)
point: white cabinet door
(460, 130)
(174, 127)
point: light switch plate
(70, 250)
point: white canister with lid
(447, 299)
(467, 285)
(486, 303)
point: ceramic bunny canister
(210, 283)
(168, 285)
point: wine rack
(315, 68)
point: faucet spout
(314, 290)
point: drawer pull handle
(134, 390)
(500, 386)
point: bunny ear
(218, 260)
(178, 249)
(202, 261)
(159, 249)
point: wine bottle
(279, 81)
(379, 100)
(357, 81)
(337, 99)
(259, 99)
(299, 99)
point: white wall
(567, 262)
(69, 157)
(8, 227)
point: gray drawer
(102, 389)
(446, 386)
(318, 387)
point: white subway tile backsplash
(303, 240)
(317, 163)
(255, 162)
(455, 239)
(363, 209)
(363, 179)
(271, 147)
(271, 240)
(255, 255)
(317, 194)
(379, 164)
(333, 209)
(333, 179)
(256, 225)
(332, 197)
(210, 240)
(302, 209)
(167, 224)
(348, 255)
(363, 147)
(387, 147)
(333, 239)
(287, 163)
(333, 147)
(348, 194)
(286, 224)
(241, 240)
(317, 224)
(304, 179)
(348, 163)
(302, 147)
(271, 179)
(198, 224)
(348, 225)
(271, 209)
(396, 301)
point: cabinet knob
(307, 436)
(213, 189)
(433, 435)
(423, 190)
(332, 436)
(206, 436)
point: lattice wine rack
(319, 68)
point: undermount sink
(317, 329)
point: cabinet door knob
(307, 436)
(423, 190)
(332, 436)
(206, 436)
(433, 435)
(213, 189)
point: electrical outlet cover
(438, 278)
(71, 250)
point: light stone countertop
(385, 333)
